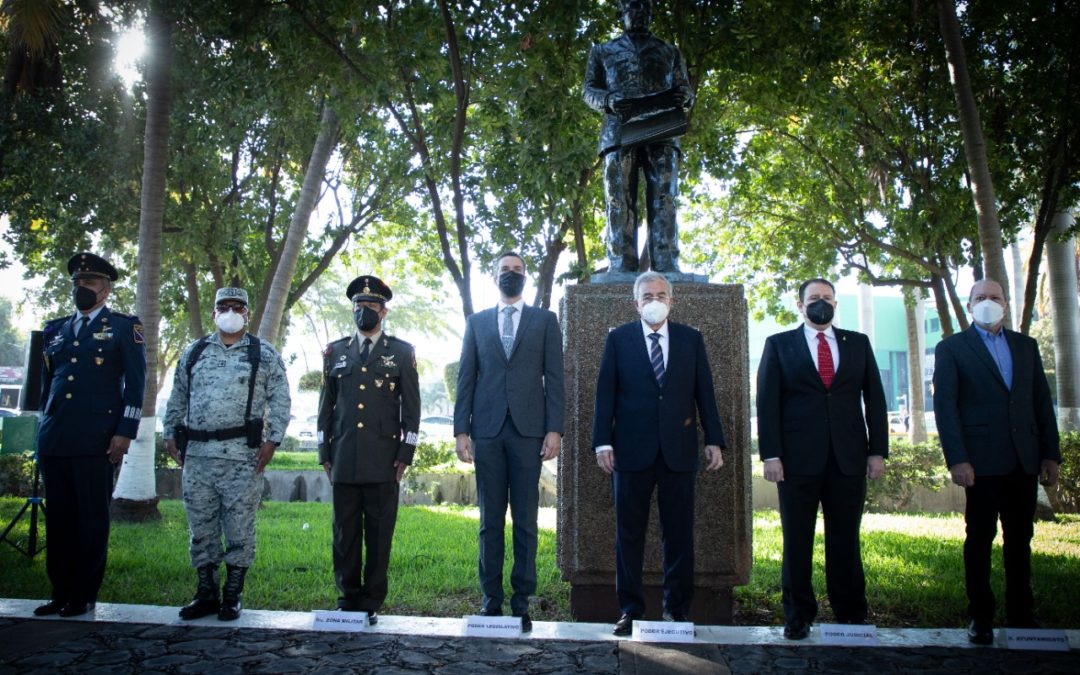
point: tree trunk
(982, 186)
(191, 285)
(270, 321)
(1016, 307)
(913, 314)
(1061, 265)
(941, 304)
(135, 496)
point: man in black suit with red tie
(999, 434)
(654, 384)
(813, 385)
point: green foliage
(16, 474)
(311, 381)
(450, 376)
(1065, 496)
(908, 468)
(12, 341)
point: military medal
(378, 383)
(99, 360)
(103, 335)
(388, 361)
(392, 385)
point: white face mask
(655, 312)
(987, 313)
(230, 322)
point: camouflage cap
(231, 293)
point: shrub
(16, 473)
(908, 468)
(430, 457)
(1065, 496)
(450, 375)
(311, 381)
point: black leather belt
(217, 435)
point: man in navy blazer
(814, 384)
(996, 422)
(509, 417)
(654, 384)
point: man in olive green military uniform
(369, 417)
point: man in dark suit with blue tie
(997, 427)
(509, 417)
(814, 384)
(653, 386)
(92, 391)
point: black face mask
(511, 284)
(366, 319)
(819, 312)
(84, 297)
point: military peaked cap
(369, 288)
(87, 264)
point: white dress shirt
(515, 317)
(812, 342)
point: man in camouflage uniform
(226, 451)
(369, 417)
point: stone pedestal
(586, 517)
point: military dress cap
(231, 293)
(87, 264)
(369, 288)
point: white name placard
(848, 635)
(339, 622)
(475, 625)
(1042, 639)
(663, 631)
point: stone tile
(169, 661)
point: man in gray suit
(509, 417)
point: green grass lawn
(913, 566)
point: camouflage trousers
(221, 497)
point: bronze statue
(639, 83)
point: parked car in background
(899, 423)
(437, 428)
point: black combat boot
(230, 594)
(207, 600)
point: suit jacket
(92, 388)
(979, 419)
(528, 384)
(637, 417)
(369, 413)
(799, 420)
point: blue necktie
(508, 329)
(365, 351)
(656, 355)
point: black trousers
(675, 502)
(842, 499)
(364, 516)
(1012, 499)
(78, 493)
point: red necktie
(825, 366)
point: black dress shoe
(49, 608)
(490, 611)
(675, 616)
(796, 630)
(980, 633)
(526, 622)
(625, 625)
(76, 608)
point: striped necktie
(656, 356)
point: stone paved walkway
(73, 646)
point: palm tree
(1061, 266)
(982, 186)
(136, 492)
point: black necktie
(365, 351)
(82, 327)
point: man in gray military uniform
(369, 417)
(229, 406)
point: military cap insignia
(137, 331)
